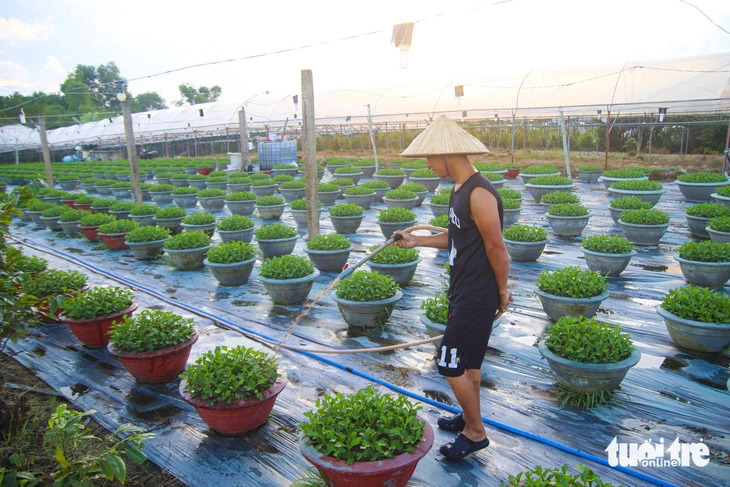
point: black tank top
(472, 282)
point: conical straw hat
(444, 137)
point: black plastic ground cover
(669, 394)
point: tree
(101, 83)
(193, 95)
(147, 101)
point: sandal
(461, 447)
(456, 423)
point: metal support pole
(512, 148)
(131, 152)
(242, 125)
(309, 153)
(566, 148)
(372, 138)
(608, 136)
(46, 152)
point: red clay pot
(44, 307)
(393, 472)
(204, 170)
(82, 206)
(115, 241)
(239, 417)
(94, 332)
(155, 367)
(512, 173)
(91, 233)
(69, 203)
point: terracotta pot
(155, 367)
(511, 173)
(204, 170)
(44, 306)
(91, 233)
(115, 241)
(239, 417)
(93, 332)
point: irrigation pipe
(251, 333)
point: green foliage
(54, 211)
(170, 212)
(637, 185)
(375, 184)
(559, 197)
(300, 204)
(231, 252)
(259, 175)
(629, 203)
(702, 177)
(122, 206)
(31, 264)
(567, 209)
(285, 166)
(493, 176)
(241, 196)
(625, 173)
(544, 477)
(143, 209)
(147, 233)
(363, 427)
(507, 193)
(584, 400)
(269, 200)
(283, 178)
(708, 210)
(226, 375)
(327, 187)
(424, 173)
(96, 302)
(389, 172)
(400, 193)
(102, 202)
(705, 251)
(104, 182)
(551, 181)
(347, 170)
(590, 168)
(440, 198)
(118, 226)
(295, 184)
(275, 232)
(364, 163)
(572, 282)
(262, 182)
(720, 224)
(607, 244)
(84, 200)
(200, 218)
(488, 167)
(238, 178)
(38, 205)
(724, 190)
(179, 177)
(331, 241)
(216, 179)
(392, 254)
(508, 204)
(698, 304)
(235, 222)
(359, 190)
(96, 219)
(183, 190)
(187, 240)
(415, 187)
(645, 217)
(525, 233)
(211, 193)
(540, 169)
(365, 286)
(442, 220)
(162, 188)
(346, 209)
(201, 94)
(52, 282)
(588, 340)
(396, 214)
(342, 182)
(286, 267)
(436, 308)
(415, 164)
(122, 185)
(151, 330)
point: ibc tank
(277, 152)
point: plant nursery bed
(669, 394)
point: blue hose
(393, 387)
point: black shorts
(465, 340)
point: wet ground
(669, 394)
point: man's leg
(467, 391)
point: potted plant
(380, 188)
(525, 243)
(614, 175)
(185, 196)
(293, 190)
(161, 193)
(539, 186)
(88, 185)
(700, 186)
(67, 182)
(697, 319)
(90, 314)
(419, 189)
(511, 211)
(298, 209)
(121, 209)
(270, 207)
(327, 193)
(350, 172)
(46, 286)
(197, 181)
(366, 299)
(396, 262)
(571, 291)
(426, 177)
(624, 203)
(231, 262)
(170, 217)
(360, 196)
(536, 170)
(649, 191)
(699, 216)
(722, 195)
(50, 217)
(83, 202)
(154, 345)
(288, 278)
(435, 315)
(557, 198)
(607, 254)
(395, 218)
(263, 186)
(496, 179)
(235, 227)
(146, 241)
(367, 166)
(179, 181)
(143, 214)
(374, 458)
(121, 190)
(705, 263)
(187, 250)
(568, 220)
(644, 227)
(329, 252)
(346, 217)
(439, 203)
(238, 183)
(165, 178)
(216, 182)
(589, 173)
(276, 240)
(104, 186)
(36, 209)
(719, 229)
(89, 225)
(343, 184)
(241, 203)
(113, 233)
(102, 205)
(512, 171)
(410, 167)
(204, 168)
(400, 197)
(212, 200)
(394, 177)
(586, 355)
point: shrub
(587, 340)
(441, 221)
(161, 188)
(151, 330)
(261, 182)
(400, 194)
(196, 177)
(645, 217)
(332, 241)
(327, 187)
(702, 177)
(567, 209)
(637, 185)
(38, 205)
(118, 226)
(211, 193)
(287, 266)
(364, 423)
(84, 200)
(185, 190)
(54, 282)
(30, 264)
(364, 163)
(283, 178)
(269, 200)
(201, 218)
(507, 193)
(54, 211)
(415, 164)
(572, 282)
(275, 232)
(705, 251)
(346, 209)
(122, 185)
(170, 212)
(340, 182)
(259, 175)
(724, 191)
(96, 219)
(559, 197)
(102, 202)
(436, 308)
(296, 184)
(607, 244)
(96, 302)
(143, 209)
(104, 182)
(389, 172)
(720, 224)
(347, 170)
(424, 173)
(301, 204)
(625, 173)
(238, 178)
(551, 181)
(485, 166)
(241, 196)
(147, 233)
(590, 168)
(493, 176)
(375, 184)
(226, 375)
(698, 304)
(216, 179)
(359, 191)
(366, 286)
(525, 233)
(540, 169)
(122, 206)
(179, 177)
(235, 222)
(629, 203)
(708, 210)
(187, 240)
(395, 214)
(231, 252)
(392, 254)
(538, 477)
(508, 204)
(440, 198)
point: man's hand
(406, 240)
(505, 298)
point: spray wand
(349, 269)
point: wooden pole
(309, 153)
(46, 152)
(131, 152)
(566, 149)
(242, 125)
(372, 138)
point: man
(478, 277)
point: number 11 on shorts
(442, 360)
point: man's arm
(485, 214)
(408, 240)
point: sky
(42, 41)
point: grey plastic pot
(698, 226)
(277, 247)
(146, 250)
(589, 176)
(408, 203)
(380, 194)
(70, 228)
(361, 200)
(526, 178)
(616, 213)
(586, 377)
(245, 235)
(401, 273)
(651, 197)
(510, 217)
(36, 217)
(264, 190)
(645, 235)
(212, 204)
(120, 215)
(393, 181)
(272, 212)
(216, 185)
(367, 314)
(121, 193)
(537, 191)
(696, 337)
(367, 171)
(208, 228)
(289, 291)
(328, 198)
(699, 191)
(607, 182)
(389, 227)
(438, 210)
(300, 216)
(244, 208)
(143, 220)
(198, 183)
(707, 274)
(721, 200)
(238, 187)
(568, 226)
(557, 306)
(346, 224)
(717, 236)
(234, 274)
(293, 194)
(174, 224)
(431, 183)
(525, 251)
(179, 183)
(52, 223)
(329, 260)
(185, 200)
(188, 259)
(611, 265)
(162, 197)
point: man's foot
(462, 447)
(455, 423)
